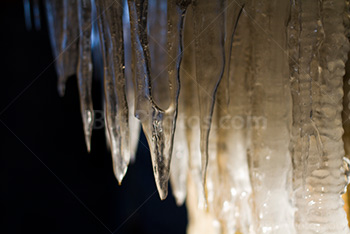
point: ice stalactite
(28, 14)
(209, 21)
(117, 116)
(235, 127)
(190, 106)
(318, 49)
(268, 154)
(157, 25)
(134, 124)
(154, 119)
(175, 20)
(240, 102)
(54, 13)
(68, 51)
(84, 67)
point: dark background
(49, 183)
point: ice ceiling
(241, 102)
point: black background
(49, 183)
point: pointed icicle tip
(88, 123)
(88, 142)
(180, 198)
(120, 175)
(162, 187)
(61, 89)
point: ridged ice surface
(244, 104)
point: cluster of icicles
(241, 102)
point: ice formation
(241, 102)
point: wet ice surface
(240, 101)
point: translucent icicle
(36, 14)
(189, 103)
(111, 34)
(54, 13)
(179, 161)
(157, 37)
(159, 133)
(233, 10)
(208, 30)
(234, 131)
(134, 123)
(318, 159)
(68, 51)
(269, 119)
(27, 14)
(84, 68)
(305, 34)
(179, 165)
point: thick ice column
(200, 221)
(319, 150)
(233, 125)
(268, 154)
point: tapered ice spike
(176, 14)
(159, 134)
(209, 29)
(189, 102)
(116, 109)
(54, 13)
(134, 123)
(179, 163)
(84, 68)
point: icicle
(54, 13)
(268, 154)
(36, 13)
(179, 161)
(111, 34)
(233, 10)
(233, 133)
(189, 102)
(176, 14)
(27, 15)
(210, 60)
(134, 123)
(68, 50)
(158, 29)
(84, 68)
(321, 156)
(159, 133)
